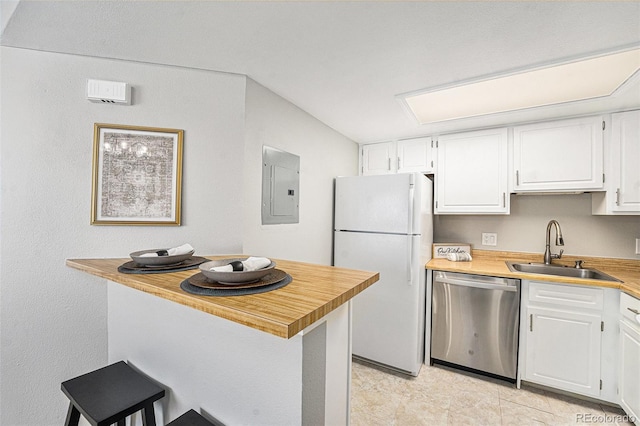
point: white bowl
(159, 260)
(233, 277)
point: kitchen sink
(559, 270)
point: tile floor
(442, 396)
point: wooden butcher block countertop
(314, 291)
(487, 262)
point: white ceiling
(343, 62)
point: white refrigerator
(384, 223)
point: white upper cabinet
(404, 156)
(622, 168)
(565, 155)
(472, 173)
(379, 158)
(415, 155)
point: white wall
(53, 323)
(324, 154)
(53, 319)
(524, 229)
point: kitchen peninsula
(280, 357)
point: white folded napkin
(250, 264)
(183, 249)
(255, 263)
(224, 268)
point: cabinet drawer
(630, 308)
(566, 295)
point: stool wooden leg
(73, 416)
(148, 415)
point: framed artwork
(137, 175)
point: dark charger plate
(200, 280)
(201, 285)
(132, 267)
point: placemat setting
(132, 267)
(200, 285)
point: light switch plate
(489, 239)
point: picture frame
(137, 175)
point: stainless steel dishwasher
(474, 322)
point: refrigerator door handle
(412, 190)
(411, 226)
(410, 260)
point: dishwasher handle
(476, 284)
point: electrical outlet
(637, 245)
(489, 239)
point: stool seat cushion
(111, 393)
(191, 418)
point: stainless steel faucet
(559, 242)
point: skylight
(586, 79)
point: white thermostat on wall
(110, 92)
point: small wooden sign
(441, 250)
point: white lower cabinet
(567, 338)
(629, 373)
(563, 350)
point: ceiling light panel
(586, 79)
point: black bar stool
(110, 394)
(192, 418)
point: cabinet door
(563, 350)
(625, 161)
(472, 173)
(629, 377)
(562, 155)
(378, 159)
(414, 155)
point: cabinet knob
(617, 196)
